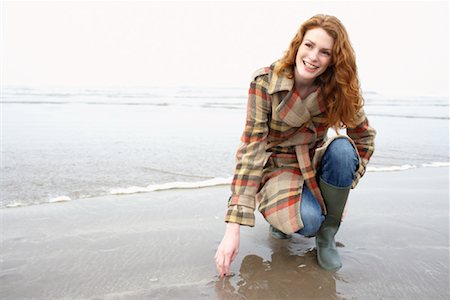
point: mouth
(310, 66)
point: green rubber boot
(335, 199)
(278, 234)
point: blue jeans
(337, 168)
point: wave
(436, 164)
(406, 104)
(139, 93)
(15, 204)
(224, 93)
(408, 167)
(51, 200)
(59, 199)
(208, 183)
(227, 181)
(171, 185)
(408, 116)
(88, 102)
(391, 168)
(208, 105)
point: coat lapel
(293, 110)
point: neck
(305, 90)
(302, 85)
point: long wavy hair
(339, 84)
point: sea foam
(436, 164)
(390, 168)
(172, 185)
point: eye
(308, 45)
(326, 53)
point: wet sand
(394, 244)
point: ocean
(66, 144)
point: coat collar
(279, 83)
(293, 110)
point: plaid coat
(283, 142)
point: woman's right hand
(228, 249)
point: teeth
(310, 65)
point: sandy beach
(394, 245)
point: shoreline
(394, 244)
(192, 185)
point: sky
(402, 47)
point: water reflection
(291, 273)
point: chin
(307, 75)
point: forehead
(319, 37)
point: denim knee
(339, 163)
(311, 213)
(312, 223)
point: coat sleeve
(364, 136)
(250, 156)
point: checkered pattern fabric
(281, 147)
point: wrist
(233, 228)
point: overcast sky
(401, 47)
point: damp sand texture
(394, 244)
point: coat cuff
(244, 200)
(240, 214)
(359, 174)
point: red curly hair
(339, 83)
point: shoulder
(260, 72)
(261, 77)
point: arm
(363, 135)
(250, 156)
(250, 160)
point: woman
(300, 178)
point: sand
(394, 244)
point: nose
(312, 55)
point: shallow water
(61, 144)
(394, 244)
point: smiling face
(313, 56)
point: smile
(308, 65)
